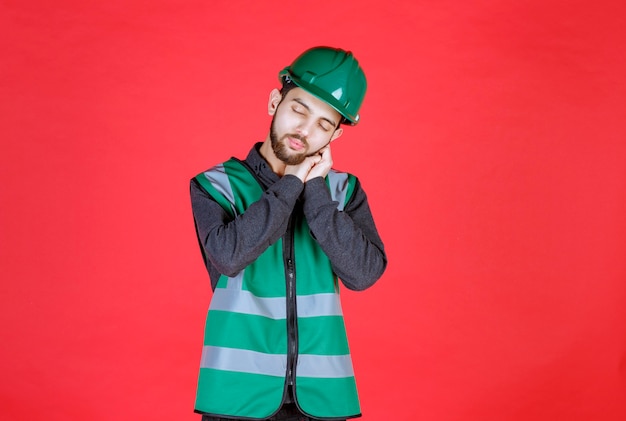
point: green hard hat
(333, 75)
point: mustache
(297, 136)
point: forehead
(313, 103)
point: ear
(273, 102)
(338, 132)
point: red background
(492, 147)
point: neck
(267, 152)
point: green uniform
(264, 330)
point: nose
(304, 128)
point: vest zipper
(291, 324)
(292, 319)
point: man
(276, 232)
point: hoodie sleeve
(349, 237)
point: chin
(293, 159)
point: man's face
(301, 126)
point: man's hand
(302, 169)
(323, 166)
(317, 165)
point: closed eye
(324, 127)
(300, 107)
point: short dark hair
(288, 85)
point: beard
(281, 150)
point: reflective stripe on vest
(244, 302)
(340, 187)
(218, 179)
(245, 361)
(244, 358)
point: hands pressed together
(317, 165)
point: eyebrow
(305, 105)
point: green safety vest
(245, 360)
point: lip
(295, 144)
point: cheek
(278, 125)
(319, 139)
(283, 123)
